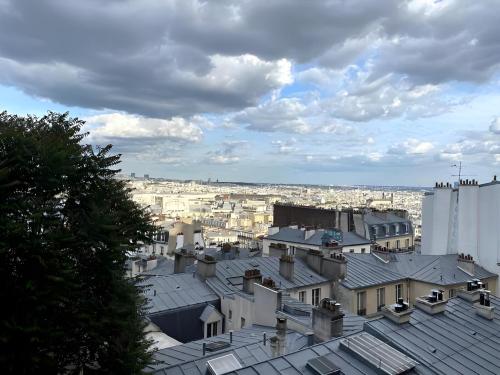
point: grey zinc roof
(247, 347)
(287, 234)
(296, 363)
(454, 342)
(362, 273)
(176, 291)
(164, 267)
(365, 270)
(301, 313)
(229, 274)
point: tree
(66, 225)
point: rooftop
(457, 341)
(287, 234)
(247, 347)
(229, 274)
(176, 291)
(365, 270)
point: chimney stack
(206, 267)
(327, 319)
(183, 259)
(483, 307)
(399, 313)
(278, 342)
(466, 263)
(277, 249)
(251, 277)
(334, 267)
(309, 232)
(287, 267)
(433, 303)
(472, 291)
(314, 259)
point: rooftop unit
(323, 366)
(223, 365)
(472, 291)
(432, 303)
(399, 312)
(483, 307)
(382, 357)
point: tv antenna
(460, 175)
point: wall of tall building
(489, 228)
(465, 220)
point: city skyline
(330, 93)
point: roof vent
(433, 303)
(217, 345)
(223, 365)
(399, 312)
(323, 366)
(483, 307)
(376, 353)
(472, 291)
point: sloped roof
(247, 347)
(176, 291)
(364, 270)
(457, 341)
(229, 274)
(287, 234)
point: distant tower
(132, 175)
(146, 177)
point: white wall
(468, 196)
(489, 229)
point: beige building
(373, 281)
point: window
(407, 243)
(388, 245)
(302, 296)
(399, 291)
(380, 298)
(451, 293)
(397, 244)
(485, 285)
(351, 250)
(316, 295)
(212, 329)
(363, 250)
(230, 315)
(362, 303)
(242, 322)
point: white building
(464, 220)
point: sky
(385, 92)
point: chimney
(206, 267)
(277, 249)
(314, 260)
(432, 304)
(472, 291)
(309, 232)
(334, 267)
(278, 342)
(182, 260)
(399, 312)
(327, 319)
(466, 264)
(287, 266)
(483, 307)
(251, 277)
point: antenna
(460, 175)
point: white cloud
(495, 125)
(411, 147)
(115, 126)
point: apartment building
(464, 219)
(380, 279)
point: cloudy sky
(381, 92)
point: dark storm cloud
(179, 58)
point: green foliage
(65, 227)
